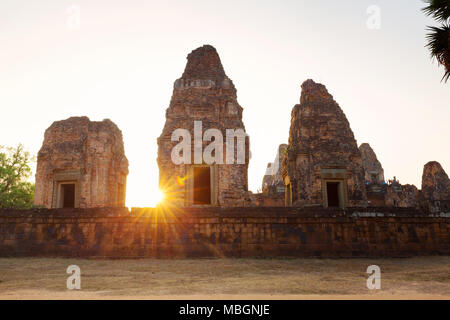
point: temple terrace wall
(220, 232)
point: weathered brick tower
(373, 170)
(322, 166)
(206, 97)
(435, 187)
(81, 164)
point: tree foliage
(439, 37)
(15, 190)
(438, 9)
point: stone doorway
(67, 195)
(66, 190)
(334, 187)
(202, 186)
(333, 194)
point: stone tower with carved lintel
(81, 164)
(322, 165)
(204, 96)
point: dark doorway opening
(202, 185)
(333, 194)
(68, 193)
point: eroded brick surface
(436, 187)
(223, 232)
(88, 153)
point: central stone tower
(204, 106)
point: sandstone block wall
(404, 196)
(216, 232)
(267, 199)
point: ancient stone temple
(373, 171)
(81, 164)
(401, 196)
(322, 165)
(273, 180)
(272, 188)
(376, 188)
(210, 168)
(268, 178)
(436, 187)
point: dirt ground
(39, 278)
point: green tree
(439, 37)
(15, 190)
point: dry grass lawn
(39, 278)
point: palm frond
(439, 9)
(439, 46)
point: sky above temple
(119, 60)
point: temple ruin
(203, 155)
(373, 171)
(273, 180)
(204, 96)
(378, 191)
(433, 197)
(81, 164)
(322, 196)
(435, 187)
(400, 196)
(272, 188)
(322, 165)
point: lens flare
(159, 196)
(180, 181)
